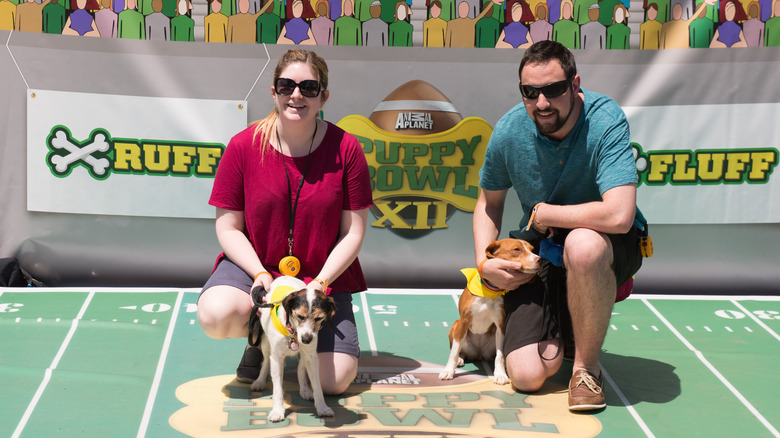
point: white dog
(291, 328)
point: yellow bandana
(476, 287)
(276, 297)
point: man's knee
(527, 367)
(587, 250)
(524, 381)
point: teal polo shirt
(595, 157)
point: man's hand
(504, 274)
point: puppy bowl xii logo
(423, 157)
(103, 155)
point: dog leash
(254, 320)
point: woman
(80, 22)
(264, 215)
(515, 34)
(729, 33)
(297, 30)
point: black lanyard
(294, 207)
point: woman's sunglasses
(309, 87)
(550, 90)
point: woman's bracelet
(264, 272)
(324, 283)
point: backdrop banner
(126, 155)
(707, 164)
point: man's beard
(557, 124)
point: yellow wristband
(264, 272)
(323, 283)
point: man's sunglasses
(309, 87)
(550, 90)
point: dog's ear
(329, 308)
(289, 302)
(331, 311)
(491, 249)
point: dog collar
(476, 287)
(276, 318)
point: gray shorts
(342, 337)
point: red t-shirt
(337, 179)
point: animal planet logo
(423, 157)
(391, 397)
(102, 155)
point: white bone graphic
(62, 163)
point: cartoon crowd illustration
(577, 24)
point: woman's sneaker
(249, 368)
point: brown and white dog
(479, 332)
(290, 328)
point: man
(566, 151)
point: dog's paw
(325, 411)
(257, 385)
(276, 415)
(460, 362)
(446, 374)
(500, 378)
(306, 392)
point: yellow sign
(443, 166)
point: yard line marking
(369, 327)
(748, 329)
(713, 370)
(613, 327)
(756, 319)
(47, 374)
(456, 298)
(708, 329)
(627, 404)
(728, 329)
(160, 367)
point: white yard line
(627, 404)
(160, 367)
(47, 375)
(756, 319)
(369, 326)
(714, 371)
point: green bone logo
(103, 155)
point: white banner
(126, 155)
(704, 164)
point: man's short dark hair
(543, 52)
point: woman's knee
(223, 311)
(337, 372)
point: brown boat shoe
(586, 392)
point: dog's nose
(307, 338)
